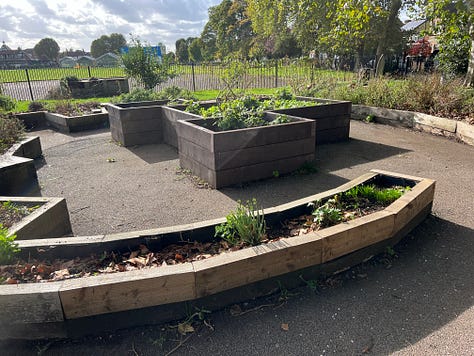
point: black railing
(41, 83)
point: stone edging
(67, 308)
(415, 120)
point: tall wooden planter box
(332, 118)
(136, 123)
(237, 156)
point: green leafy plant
(328, 213)
(245, 225)
(8, 247)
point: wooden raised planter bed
(50, 219)
(332, 118)
(77, 306)
(17, 169)
(65, 123)
(136, 123)
(231, 157)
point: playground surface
(420, 302)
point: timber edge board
(63, 308)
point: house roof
(413, 25)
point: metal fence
(40, 83)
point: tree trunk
(469, 79)
(382, 45)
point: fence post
(89, 71)
(29, 85)
(276, 73)
(194, 79)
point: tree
(194, 50)
(47, 48)
(228, 33)
(105, 44)
(340, 27)
(453, 22)
(182, 54)
(143, 65)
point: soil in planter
(357, 202)
(11, 213)
(77, 109)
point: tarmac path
(419, 303)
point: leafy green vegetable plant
(245, 225)
(8, 247)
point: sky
(76, 23)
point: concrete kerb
(415, 120)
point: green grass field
(269, 70)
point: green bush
(174, 92)
(8, 247)
(138, 95)
(6, 103)
(429, 94)
(11, 131)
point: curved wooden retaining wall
(84, 305)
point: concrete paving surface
(420, 302)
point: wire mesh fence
(41, 83)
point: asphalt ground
(418, 302)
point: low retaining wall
(410, 119)
(81, 306)
(17, 169)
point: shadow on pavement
(154, 153)
(277, 191)
(353, 152)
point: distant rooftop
(413, 25)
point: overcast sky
(76, 23)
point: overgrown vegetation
(357, 201)
(11, 131)
(247, 111)
(246, 225)
(428, 94)
(169, 93)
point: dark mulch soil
(12, 213)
